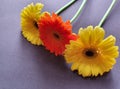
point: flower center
(56, 35)
(90, 53)
(35, 24)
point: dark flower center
(89, 53)
(35, 24)
(56, 36)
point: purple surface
(25, 66)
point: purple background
(25, 66)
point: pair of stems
(81, 8)
(69, 4)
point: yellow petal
(75, 66)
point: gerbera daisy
(55, 33)
(91, 54)
(29, 19)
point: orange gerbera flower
(55, 33)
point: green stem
(65, 7)
(79, 11)
(107, 13)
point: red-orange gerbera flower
(55, 33)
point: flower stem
(79, 11)
(107, 13)
(65, 7)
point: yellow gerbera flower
(29, 19)
(91, 54)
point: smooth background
(25, 66)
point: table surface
(25, 66)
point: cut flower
(91, 54)
(55, 33)
(29, 19)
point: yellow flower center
(90, 52)
(56, 35)
(35, 24)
